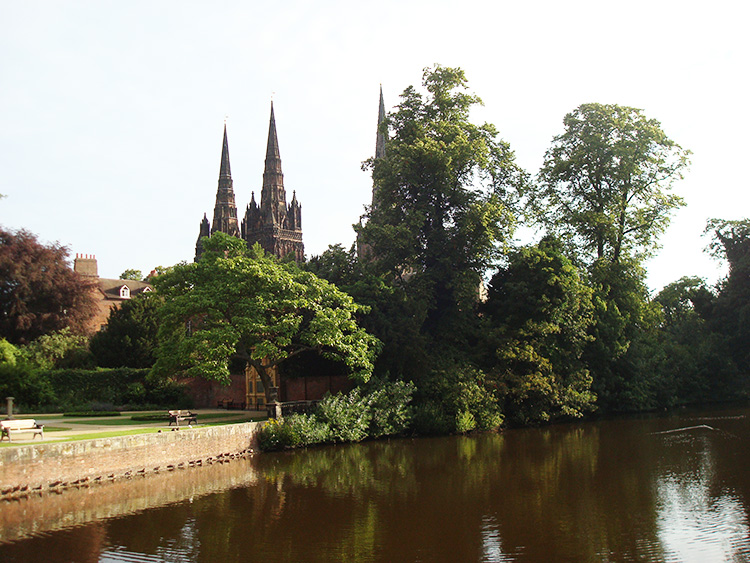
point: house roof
(111, 288)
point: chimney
(85, 264)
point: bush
(390, 408)
(347, 416)
(381, 409)
(27, 385)
(294, 431)
(456, 400)
(430, 419)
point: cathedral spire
(275, 226)
(225, 210)
(225, 171)
(380, 138)
(273, 195)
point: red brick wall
(207, 394)
(314, 388)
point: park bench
(179, 416)
(10, 427)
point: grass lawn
(120, 421)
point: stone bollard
(274, 410)
(9, 408)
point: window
(125, 292)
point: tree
(238, 304)
(444, 195)
(61, 349)
(131, 274)
(39, 292)
(691, 361)
(537, 320)
(130, 337)
(730, 315)
(606, 181)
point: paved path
(78, 426)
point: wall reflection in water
(599, 491)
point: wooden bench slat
(9, 427)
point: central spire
(225, 171)
(273, 194)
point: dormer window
(147, 290)
(125, 292)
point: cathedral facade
(274, 224)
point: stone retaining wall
(49, 465)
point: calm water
(673, 488)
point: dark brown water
(672, 488)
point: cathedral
(276, 226)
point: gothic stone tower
(276, 226)
(225, 209)
(364, 250)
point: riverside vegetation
(445, 323)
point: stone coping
(50, 465)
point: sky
(112, 113)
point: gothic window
(125, 292)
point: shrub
(389, 404)
(430, 419)
(346, 415)
(448, 400)
(465, 422)
(383, 408)
(294, 431)
(29, 386)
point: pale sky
(111, 112)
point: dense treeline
(438, 302)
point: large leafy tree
(129, 339)
(537, 319)
(240, 304)
(606, 181)
(730, 315)
(443, 200)
(39, 292)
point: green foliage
(389, 404)
(39, 292)
(625, 321)
(131, 274)
(445, 196)
(444, 397)
(26, 384)
(240, 304)
(380, 409)
(130, 337)
(347, 416)
(729, 315)
(606, 181)
(294, 431)
(538, 314)
(8, 353)
(61, 349)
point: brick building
(110, 293)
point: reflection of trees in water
(577, 492)
(695, 501)
(584, 492)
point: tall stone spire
(225, 210)
(273, 224)
(381, 138)
(273, 194)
